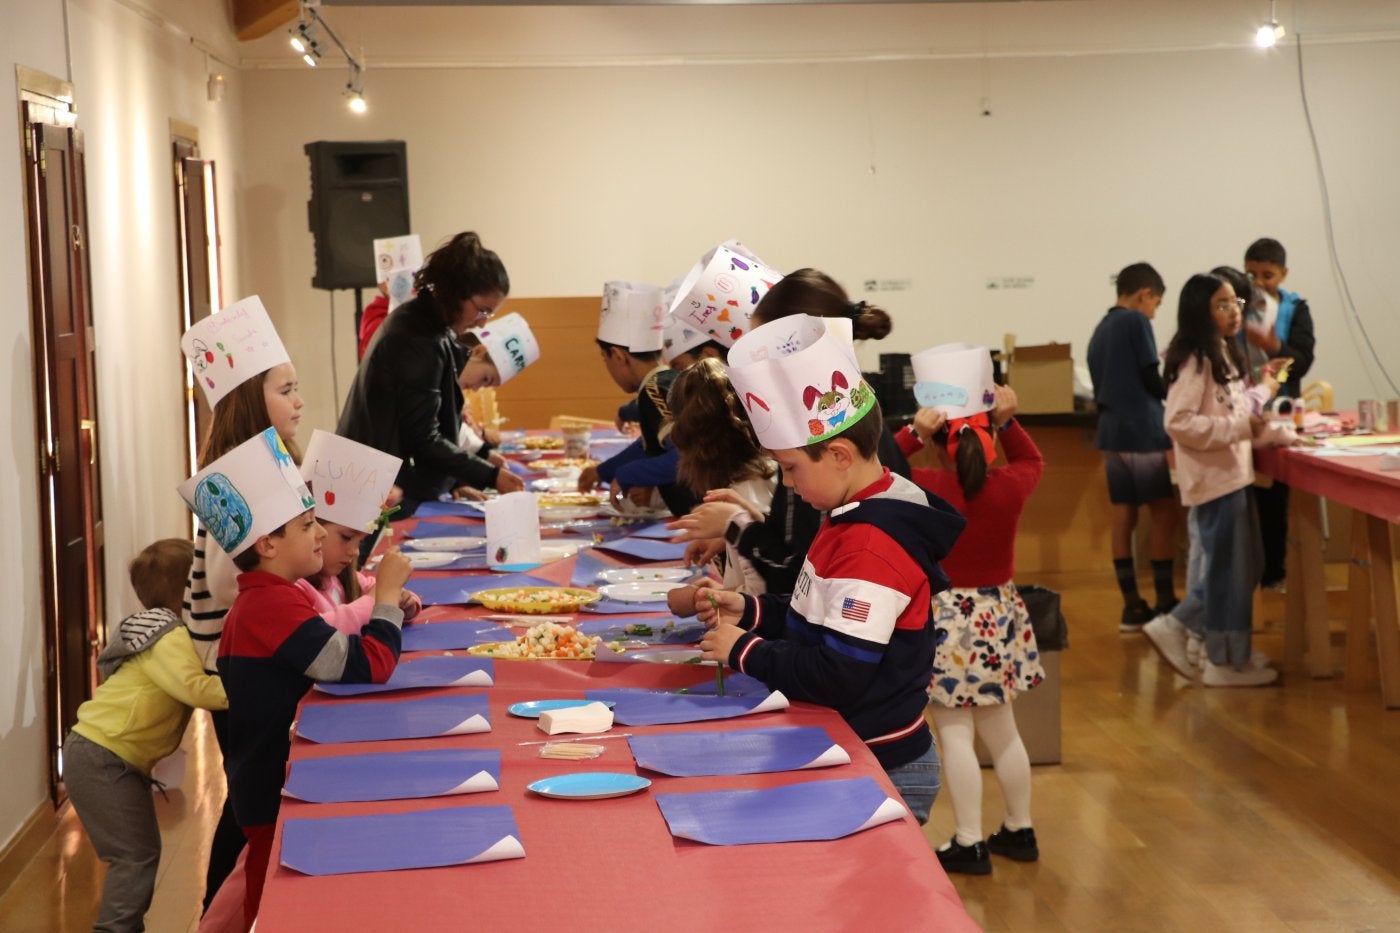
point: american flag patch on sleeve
(857, 610)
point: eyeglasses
(1225, 304)
(482, 312)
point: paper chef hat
(250, 491)
(396, 259)
(799, 380)
(955, 378)
(632, 316)
(350, 480)
(510, 343)
(229, 348)
(677, 338)
(719, 294)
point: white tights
(962, 775)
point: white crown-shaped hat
(719, 294)
(349, 480)
(250, 491)
(632, 316)
(510, 343)
(955, 378)
(799, 380)
(227, 349)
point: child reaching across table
(987, 653)
(857, 632)
(136, 717)
(275, 645)
(351, 483)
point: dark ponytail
(808, 291)
(459, 270)
(972, 465)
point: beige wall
(135, 67)
(594, 143)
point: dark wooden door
(67, 418)
(199, 268)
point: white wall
(594, 143)
(134, 69)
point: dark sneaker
(1016, 844)
(1165, 608)
(965, 860)
(1136, 616)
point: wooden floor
(1176, 807)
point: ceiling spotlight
(355, 90)
(1268, 34)
(357, 103)
(303, 36)
(309, 59)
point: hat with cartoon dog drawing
(249, 492)
(799, 380)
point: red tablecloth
(1355, 481)
(612, 865)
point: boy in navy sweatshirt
(274, 645)
(857, 632)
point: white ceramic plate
(641, 574)
(567, 513)
(465, 543)
(428, 560)
(559, 551)
(555, 484)
(589, 785)
(671, 656)
(645, 591)
(633, 511)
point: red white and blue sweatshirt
(274, 648)
(857, 632)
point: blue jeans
(1191, 611)
(917, 782)
(1226, 527)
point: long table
(1358, 483)
(612, 865)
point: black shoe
(1016, 844)
(1136, 616)
(966, 860)
(1165, 607)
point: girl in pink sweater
(1213, 429)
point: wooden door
(65, 394)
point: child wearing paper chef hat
(630, 328)
(275, 645)
(987, 653)
(857, 632)
(498, 352)
(352, 484)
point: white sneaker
(1226, 676)
(1195, 650)
(1168, 636)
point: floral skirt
(986, 648)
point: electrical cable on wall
(335, 370)
(1337, 270)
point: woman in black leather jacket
(405, 399)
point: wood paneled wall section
(569, 378)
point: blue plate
(531, 709)
(589, 785)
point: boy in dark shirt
(1128, 390)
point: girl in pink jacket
(1213, 428)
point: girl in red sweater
(986, 651)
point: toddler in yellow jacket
(137, 716)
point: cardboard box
(1037, 713)
(1043, 377)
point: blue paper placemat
(813, 810)
(616, 607)
(680, 632)
(588, 564)
(419, 718)
(438, 591)
(735, 685)
(435, 671)
(747, 751)
(340, 845)
(446, 636)
(437, 509)
(645, 548)
(658, 532)
(446, 529)
(435, 772)
(645, 708)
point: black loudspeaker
(359, 194)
